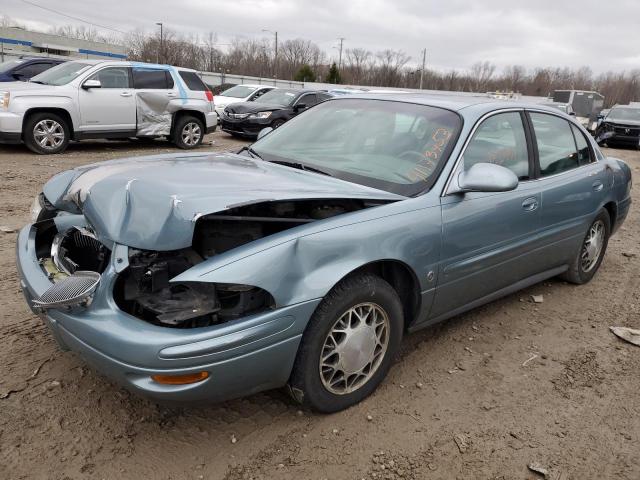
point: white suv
(106, 99)
(239, 94)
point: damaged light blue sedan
(302, 260)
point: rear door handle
(530, 204)
(171, 94)
(126, 94)
(597, 186)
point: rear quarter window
(193, 81)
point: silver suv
(106, 99)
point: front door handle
(530, 204)
(126, 94)
(597, 186)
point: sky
(604, 36)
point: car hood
(153, 203)
(221, 100)
(622, 123)
(252, 107)
(25, 87)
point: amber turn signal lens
(180, 379)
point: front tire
(592, 250)
(349, 345)
(188, 132)
(46, 133)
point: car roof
(449, 101)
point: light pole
(342, 39)
(275, 57)
(424, 60)
(159, 54)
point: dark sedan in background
(24, 68)
(274, 108)
(621, 127)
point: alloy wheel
(191, 134)
(49, 134)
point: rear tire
(46, 133)
(591, 252)
(188, 132)
(349, 344)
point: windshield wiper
(251, 152)
(301, 166)
(37, 81)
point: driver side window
(113, 77)
(500, 139)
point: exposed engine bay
(144, 289)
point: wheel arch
(62, 112)
(181, 113)
(403, 280)
(612, 209)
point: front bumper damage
(242, 356)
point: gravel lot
(481, 396)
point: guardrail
(219, 78)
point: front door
(110, 107)
(489, 239)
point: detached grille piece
(74, 290)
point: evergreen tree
(334, 75)
(305, 74)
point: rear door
(489, 239)
(573, 184)
(112, 106)
(155, 89)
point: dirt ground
(481, 396)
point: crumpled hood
(152, 203)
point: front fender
(308, 266)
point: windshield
(239, 91)
(9, 64)
(279, 97)
(393, 146)
(61, 74)
(624, 114)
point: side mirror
(18, 76)
(573, 114)
(300, 106)
(91, 84)
(487, 177)
(264, 131)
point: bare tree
(480, 74)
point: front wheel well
(66, 116)
(402, 279)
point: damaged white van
(106, 99)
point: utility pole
(342, 39)
(424, 60)
(275, 57)
(159, 54)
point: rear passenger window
(152, 79)
(500, 139)
(556, 145)
(584, 153)
(193, 81)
